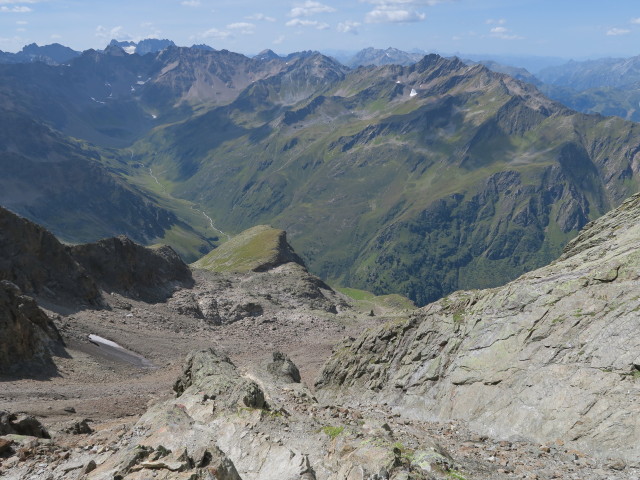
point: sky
(577, 29)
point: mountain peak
(267, 54)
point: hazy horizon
(517, 28)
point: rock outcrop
(552, 355)
(12, 424)
(120, 265)
(34, 260)
(214, 376)
(27, 335)
(209, 432)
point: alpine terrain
(282, 267)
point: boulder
(11, 423)
(283, 369)
(217, 378)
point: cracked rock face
(27, 335)
(552, 355)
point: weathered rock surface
(214, 376)
(40, 265)
(552, 355)
(27, 334)
(225, 297)
(204, 434)
(120, 265)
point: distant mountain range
(390, 56)
(54, 54)
(418, 179)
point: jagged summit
(267, 54)
(148, 45)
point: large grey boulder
(215, 377)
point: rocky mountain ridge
(367, 169)
(389, 161)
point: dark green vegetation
(416, 180)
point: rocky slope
(27, 334)
(550, 356)
(34, 260)
(120, 265)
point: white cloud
(22, 22)
(614, 32)
(393, 15)
(398, 11)
(11, 2)
(117, 33)
(503, 33)
(55, 36)
(492, 21)
(348, 27)
(261, 16)
(279, 40)
(297, 22)
(15, 9)
(190, 3)
(309, 8)
(635, 20)
(215, 33)
(243, 28)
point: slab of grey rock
(552, 355)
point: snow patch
(413, 92)
(104, 341)
(130, 50)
